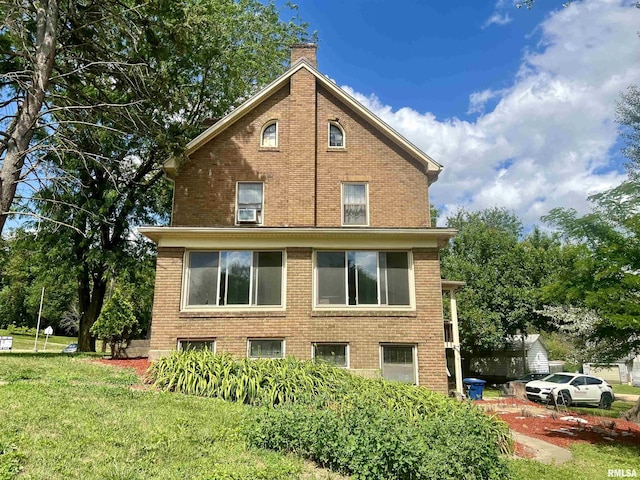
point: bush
(116, 323)
(13, 330)
(369, 441)
(369, 428)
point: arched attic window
(336, 135)
(269, 134)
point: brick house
(300, 226)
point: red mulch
(563, 433)
(522, 451)
(541, 425)
(141, 365)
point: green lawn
(25, 342)
(490, 393)
(589, 462)
(616, 409)
(626, 389)
(66, 417)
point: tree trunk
(91, 307)
(633, 415)
(21, 130)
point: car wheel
(605, 401)
(564, 398)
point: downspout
(315, 159)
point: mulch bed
(141, 365)
(575, 428)
(534, 420)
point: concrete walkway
(627, 397)
(545, 452)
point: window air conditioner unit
(247, 215)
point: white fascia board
(329, 238)
(242, 110)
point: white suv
(571, 389)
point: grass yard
(490, 393)
(617, 408)
(67, 417)
(627, 389)
(589, 462)
(25, 342)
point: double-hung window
(354, 204)
(234, 278)
(249, 202)
(362, 278)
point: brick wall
(302, 178)
(205, 187)
(300, 326)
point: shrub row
(13, 330)
(369, 441)
(368, 428)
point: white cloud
(497, 19)
(548, 140)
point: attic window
(336, 135)
(269, 136)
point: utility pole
(35, 344)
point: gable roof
(515, 341)
(433, 168)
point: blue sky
(517, 105)
(430, 55)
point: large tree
(504, 272)
(28, 40)
(197, 59)
(604, 277)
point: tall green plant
(117, 323)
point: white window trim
(346, 351)
(283, 342)
(414, 348)
(264, 127)
(366, 188)
(261, 215)
(186, 271)
(323, 307)
(344, 137)
(198, 339)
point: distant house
(624, 370)
(510, 362)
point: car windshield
(559, 378)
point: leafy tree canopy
(503, 271)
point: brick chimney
(306, 51)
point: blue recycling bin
(475, 387)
